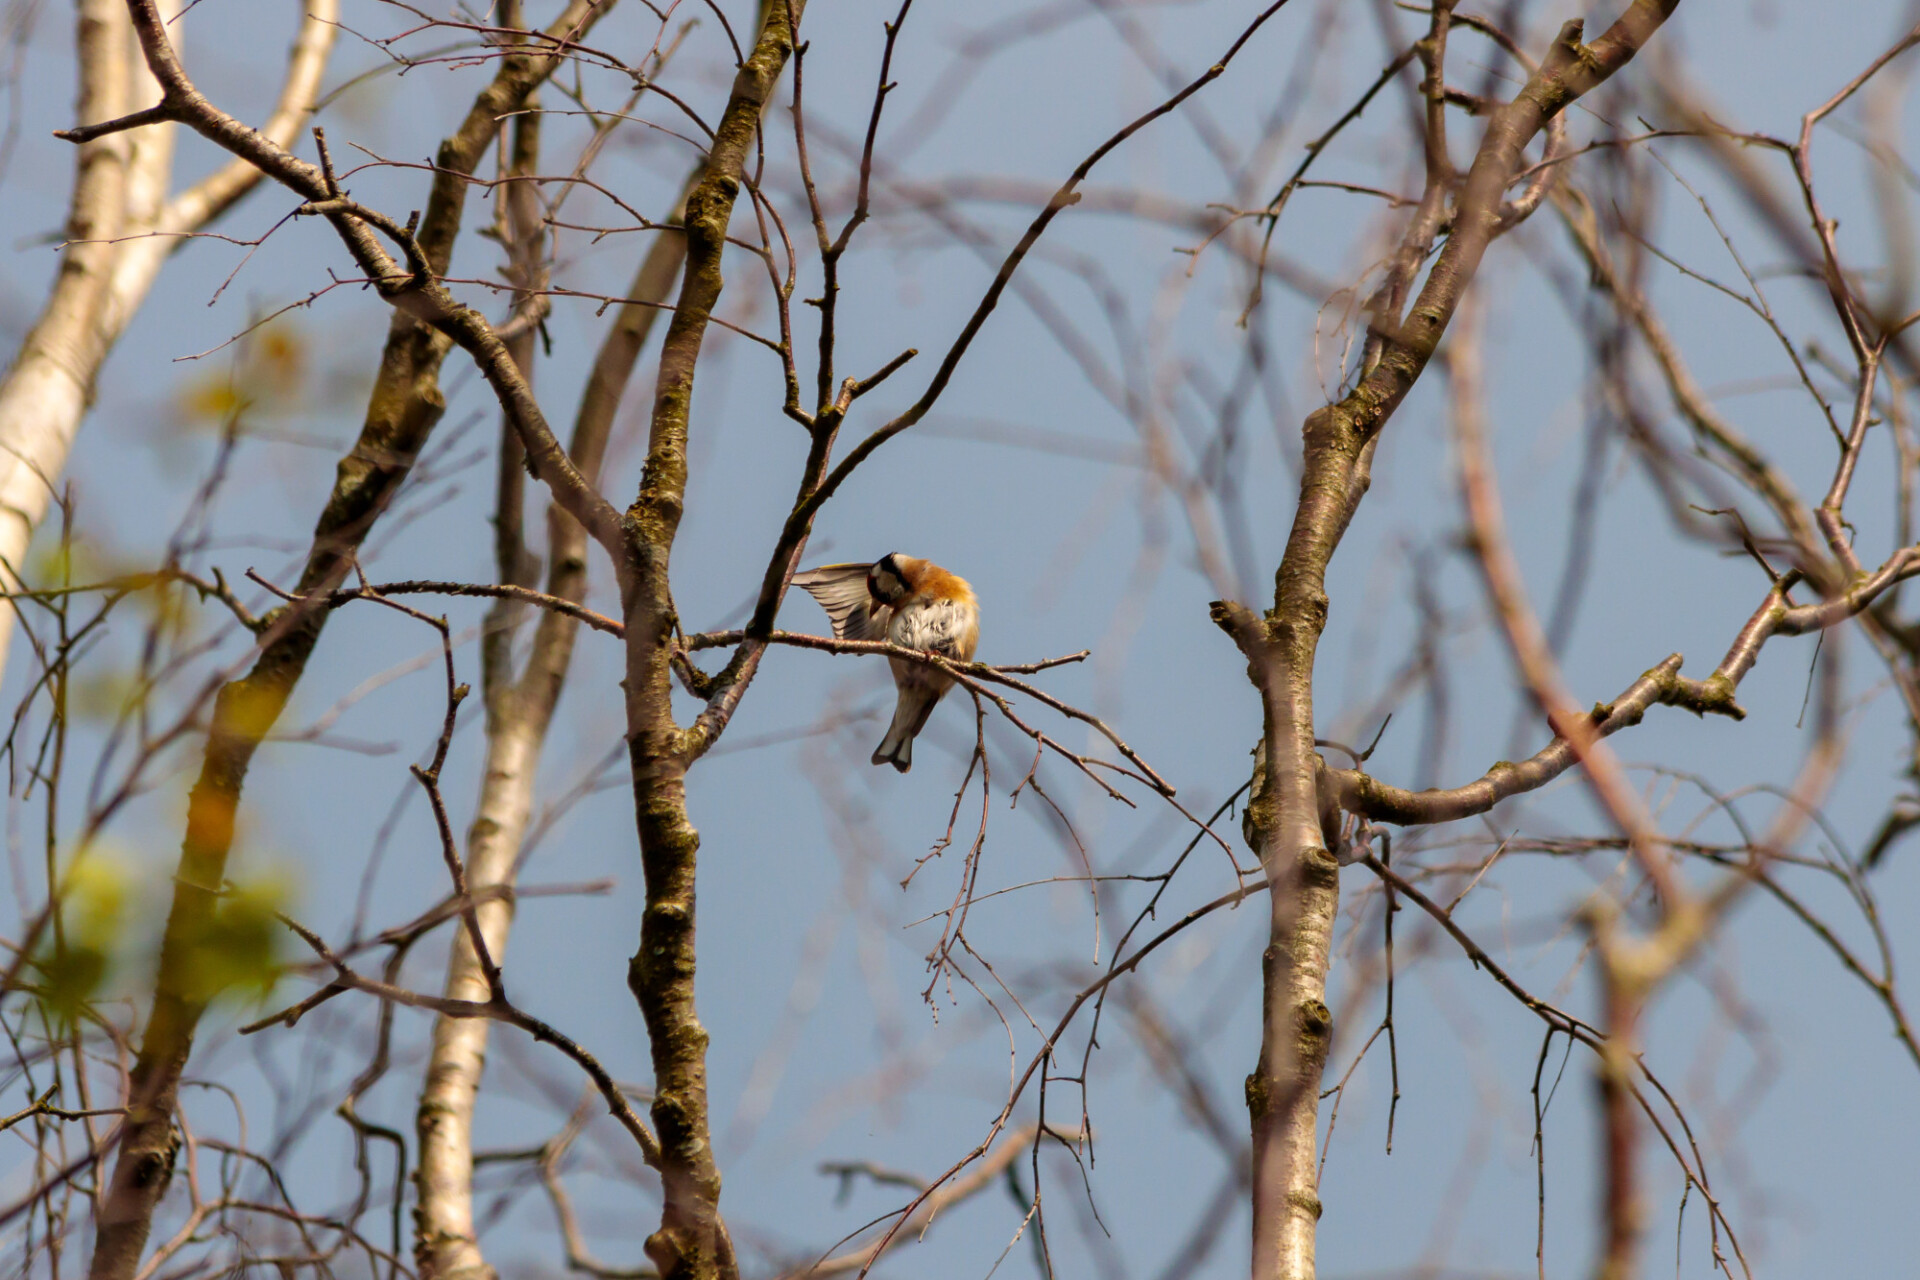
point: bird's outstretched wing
(841, 590)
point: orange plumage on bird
(910, 602)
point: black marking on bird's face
(884, 581)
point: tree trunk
(692, 1241)
(1289, 822)
(518, 715)
(121, 228)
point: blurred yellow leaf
(239, 946)
(69, 977)
(215, 398)
(251, 709)
(99, 886)
(279, 358)
(74, 962)
(266, 373)
(58, 563)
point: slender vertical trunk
(691, 1241)
(1283, 1093)
(50, 383)
(518, 715)
(1285, 826)
(122, 226)
(404, 406)
(1289, 824)
(444, 1241)
(1622, 1212)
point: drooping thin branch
(346, 979)
(994, 1164)
(1526, 639)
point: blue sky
(1029, 481)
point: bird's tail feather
(909, 718)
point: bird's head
(892, 577)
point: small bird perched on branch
(912, 603)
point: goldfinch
(912, 603)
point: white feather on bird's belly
(936, 626)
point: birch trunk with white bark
(444, 1241)
(121, 228)
(518, 715)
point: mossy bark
(402, 410)
(1290, 819)
(691, 1240)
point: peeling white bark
(444, 1179)
(51, 380)
(121, 227)
(518, 714)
